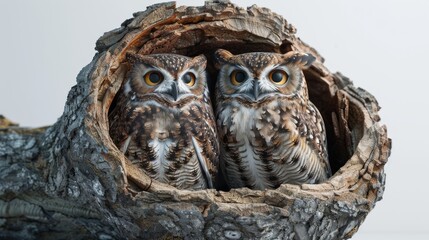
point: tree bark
(69, 181)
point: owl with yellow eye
(162, 120)
(270, 133)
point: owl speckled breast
(163, 121)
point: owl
(269, 131)
(163, 120)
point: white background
(383, 46)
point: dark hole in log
(285, 47)
(197, 41)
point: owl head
(169, 77)
(256, 76)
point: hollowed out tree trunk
(66, 181)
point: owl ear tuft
(303, 60)
(222, 56)
(133, 58)
(199, 62)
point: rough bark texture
(70, 181)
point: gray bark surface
(69, 181)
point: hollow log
(69, 181)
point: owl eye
(189, 79)
(153, 78)
(238, 77)
(278, 77)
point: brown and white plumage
(270, 132)
(163, 120)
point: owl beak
(256, 89)
(174, 91)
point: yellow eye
(238, 77)
(189, 79)
(153, 78)
(278, 77)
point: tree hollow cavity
(342, 118)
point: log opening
(206, 35)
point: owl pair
(266, 131)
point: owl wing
(291, 145)
(118, 127)
(203, 163)
(304, 158)
(316, 136)
(204, 138)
